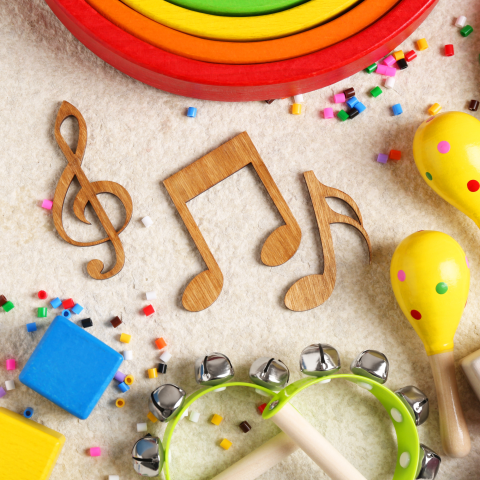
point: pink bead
(389, 61)
(328, 113)
(339, 98)
(381, 69)
(11, 364)
(95, 452)
(47, 204)
(391, 71)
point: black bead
(87, 322)
(473, 105)
(245, 426)
(162, 367)
(402, 64)
(353, 113)
(349, 93)
(270, 101)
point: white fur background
(138, 136)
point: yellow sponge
(29, 450)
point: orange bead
(160, 343)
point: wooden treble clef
(87, 194)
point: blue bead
(77, 309)
(66, 314)
(397, 109)
(28, 412)
(31, 327)
(360, 107)
(351, 102)
(192, 112)
(123, 387)
(56, 302)
(71, 368)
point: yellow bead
(434, 109)
(225, 444)
(152, 417)
(297, 108)
(217, 419)
(28, 450)
(152, 373)
(422, 44)
(120, 403)
(398, 55)
(129, 379)
(125, 338)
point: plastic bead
(151, 295)
(113, 477)
(353, 113)
(397, 109)
(55, 303)
(95, 452)
(185, 413)
(261, 408)
(422, 44)
(349, 93)
(409, 56)
(11, 364)
(77, 309)
(352, 101)
(148, 310)
(339, 98)
(165, 357)
(10, 385)
(42, 294)
(42, 312)
(3, 300)
(191, 112)
(328, 113)
(194, 416)
(395, 155)
(342, 115)
(28, 412)
(371, 68)
(382, 69)
(152, 373)
(31, 327)
(87, 322)
(66, 314)
(270, 101)
(390, 82)
(225, 444)
(382, 158)
(2, 392)
(360, 107)
(129, 379)
(245, 427)
(389, 61)
(47, 204)
(390, 71)
(128, 355)
(120, 403)
(125, 338)
(376, 92)
(402, 64)
(216, 419)
(68, 303)
(466, 31)
(298, 98)
(116, 322)
(8, 306)
(152, 417)
(449, 50)
(160, 343)
(461, 21)
(123, 387)
(119, 377)
(473, 105)
(147, 221)
(434, 109)
(296, 108)
(398, 55)
(162, 367)
(141, 427)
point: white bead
(328, 380)
(113, 477)
(10, 385)
(147, 221)
(366, 386)
(396, 415)
(185, 413)
(194, 416)
(127, 355)
(404, 459)
(151, 295)
(165, 357)
(262, 393)
(461, 21)
(221, 389)
(298, 98)
(390, 82)
(141, 427)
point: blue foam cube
(360, 107)
(351, 102)
(31, 327)
(77, 309)
(397, 109)
(71, 368)
(192, 112)
(56, 302)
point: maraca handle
(329, 459)
(453, 428)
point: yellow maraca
(430, 277)
(446, 149)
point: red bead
(42, 295)
(409, 56)
(395, 155)
(449, 51)
(148, 310)
(261, 408)
(69, 303)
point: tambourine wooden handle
(453, 428)
(328, 458)
(260, 460)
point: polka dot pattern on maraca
(416, 314)
(401, 275)
(466, 261)
(429, 175)
(473, 185)
(443, 146)
(441, 288)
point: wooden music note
(203, 174)
(87, 194)
(313, 290)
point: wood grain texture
(262, 27)
(313, 290)
(87, 194)
(216, 51)
(453, 428)
(234, 83)
(203, 174)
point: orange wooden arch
(215, 51)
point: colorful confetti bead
(349, 93)
(28, 412)
(129, 379)
(148, 310)
(119, 376)
(87, 323)
(352, 101)
(160, 343)
(466, 31)
(422, 44)
(395, 155)
(473, 105)
(127, 355)
(389, 61)
(216, 419)
(382, 158)
(42, 312)
(42, 294)
(376, 92)
(141, 427)
(151, 295)
(390, 82)
(194, 416)
(328, 113)
(360, 107)
(191, 112)
(152, 417)
(339, 98)
(296, 108)
(165, 357)
(225, 444)
(31, 327)
(95, 451)
(11, 364)
(411, 55)
(76, 309)
(66, 314)
(342, 115)
(123, 387)
(162, 368)
(147, 221)
(434, 109)
(402, 64)
(115, 322)
(449, 50)
(8, 306)
(9, 385)
(125, 338)
(461, 21)
(68, 303)
(371, 68)
(55, 303)
(47, 204)
(397, 109)
(398, 55)
(245, 427)
(298, 98)
(120, 403)
(152, 373)
(2, 392)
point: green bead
(371, 68)
(441, 288)
(42, 312)
(8, 306)
(342, 115)
(376, 92)
(466, 31)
